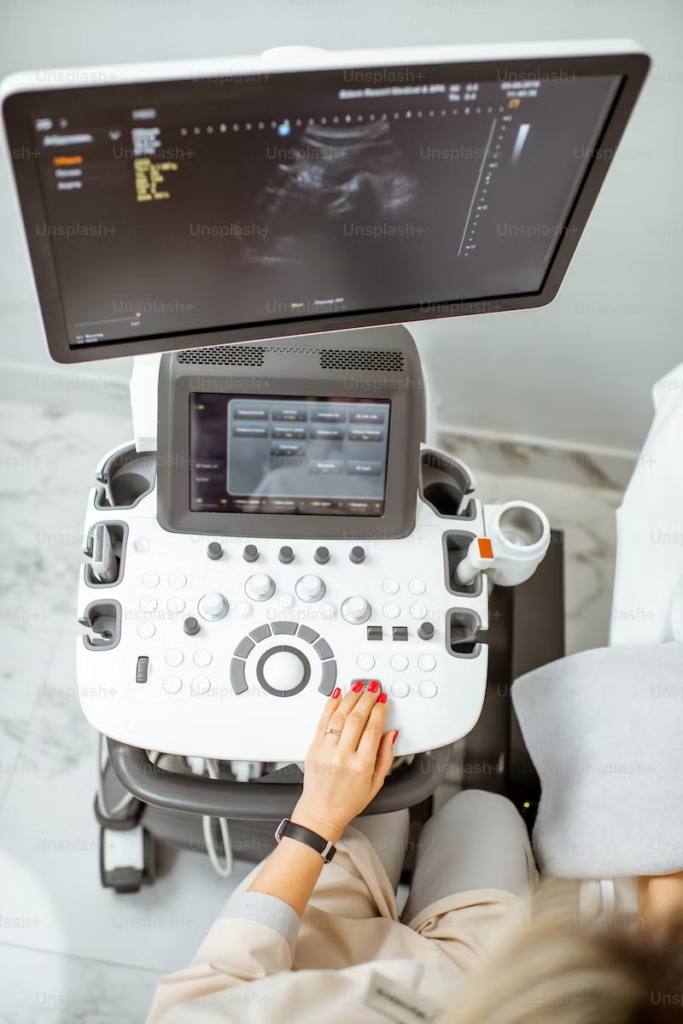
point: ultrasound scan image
(335, 179)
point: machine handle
(195, 794)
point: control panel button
(285, 554)
(356, 610)
(260, 633)
(426, 631)
(250, 553)
(259, 587)
(391, 610)
(426, 662)
(146, 630)
(417, 587)
(141, 544)
(357, 554)
(191, 626)
(400, 688)
(214, 550)
(238, 679)
(201, 684)
(308, 634)
(172, 684)
(329, 678)
(148, 604)
(244, 647)
(428, 689)
(175, 605)
(399, 633)
(284, 627)
(328, 611)
(375, 632)
(323, 648)
(141, 669)
(150, 580)
(177, 580)
(174, 657)
(365, 662)
(285, 600)
(213, 607)
(391, 586)
(418, 611)
(310, 589)
(202, 658)
(322, 556)
(243, 608)
(399, 662)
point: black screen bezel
(20, 107)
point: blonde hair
(557, 970)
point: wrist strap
(291, 830)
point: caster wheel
(127, 859)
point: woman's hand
(345, 769)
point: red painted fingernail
(357, 686)
(382, 699)
(335, 693)
(374, 686)
(395, 735)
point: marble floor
(69, 950)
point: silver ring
(335, 731)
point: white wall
(577, 372)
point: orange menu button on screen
(65, 161)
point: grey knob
(214, 550)
(357, 555)
(191, 626)
(285, 554)
(310, 589)
(259, 587)
(250, 553)
(322, 556)
(213, 607)
(356, 610)
(425, 631)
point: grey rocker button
(250, 553)
(329, 678)
(260, 633)
(324, 650)
(191, 626)
(141, 669)
(285, 554)
(244, 647)
(214, 550)
(237, 676)
(322, 556)
(357, 555)
(284, 627)
(308, 634)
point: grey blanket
(605, 732)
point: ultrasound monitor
(182, 205)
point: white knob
(356, 610)
(259, 587)
(213, 607)
(310, 588)
(284, 671)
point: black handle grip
(195, 794)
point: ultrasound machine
(260, 233)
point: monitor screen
(311, 456)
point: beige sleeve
(253, 938)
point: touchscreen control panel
(315, 456)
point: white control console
(228, 647)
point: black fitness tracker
(288, 828)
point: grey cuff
(265, 909)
